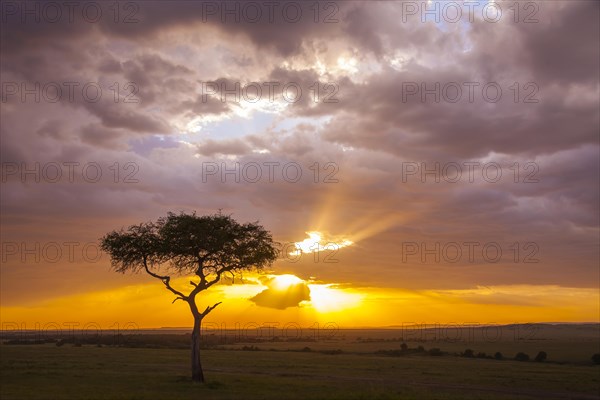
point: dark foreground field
(47, 371)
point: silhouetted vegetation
(208, 246)
(405, 350)
(29, 341)
(234, 341)
(436, 352)
(331, 352)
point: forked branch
(166, 280)
(209, 309)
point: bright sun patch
(328, 298)
(317, 241)
(282, 282)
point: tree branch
(200, 273)
(209, 309)
(165, 280)
(217, 279)
(219, 273)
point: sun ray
(318, 241)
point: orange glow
(149, 305)
(327, 298)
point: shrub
(331, 352)
(498, 356)
(521, 356)
(468, 353)
(596, 358)
(403, 347)
(541, 356)
(435, 352)
(481, 355)
(420, 349)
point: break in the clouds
(351, 120)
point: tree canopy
(207, 246)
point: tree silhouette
(206, 246)
(522, 356)
(469, 353)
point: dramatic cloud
(283, 291)
(409, 137)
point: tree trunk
(197, 374)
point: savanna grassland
(352, 364)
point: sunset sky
(389, 169)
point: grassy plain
(349, 365)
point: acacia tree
(186, 244)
